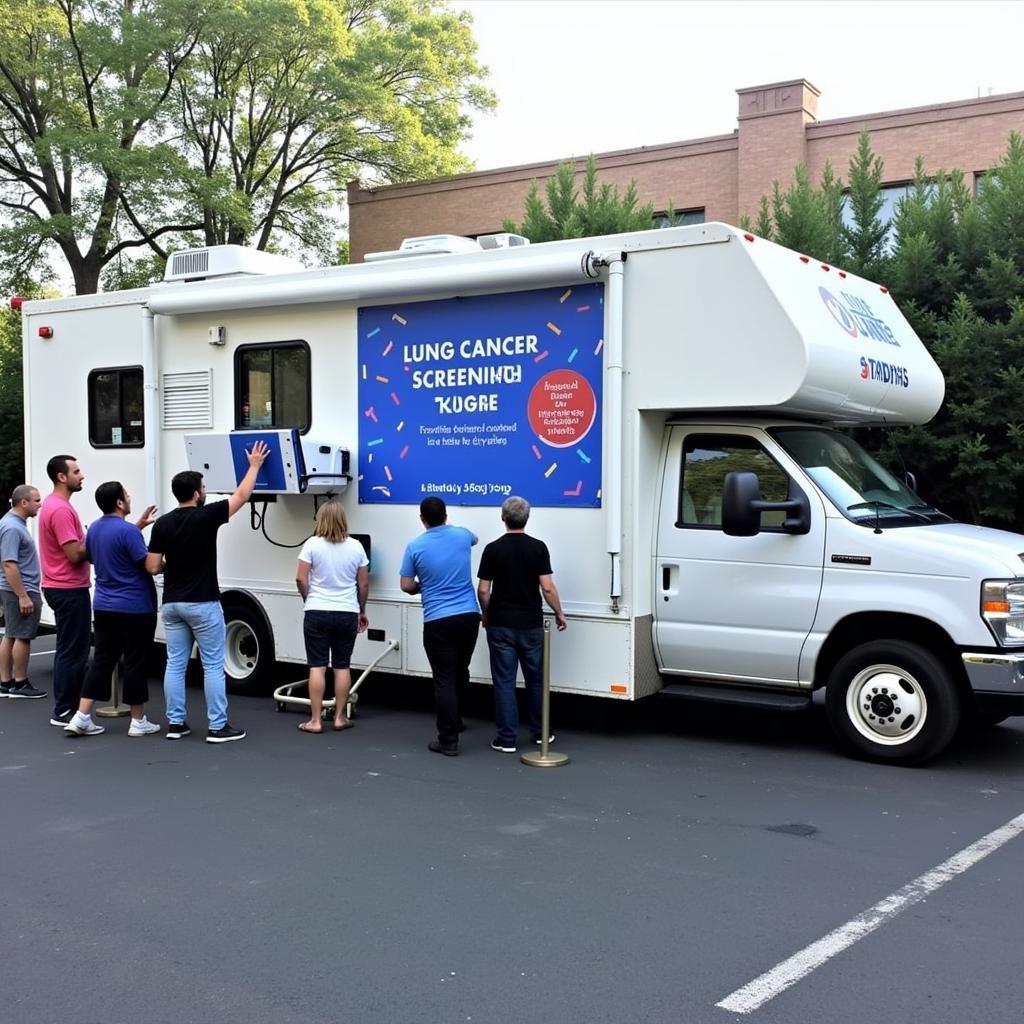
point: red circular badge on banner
(562, 408)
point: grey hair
(21, 492)
(515, 512)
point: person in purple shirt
(437, 565)
(124, 611)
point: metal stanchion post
(115, 709)
(546, 758)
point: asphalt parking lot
(680, 856)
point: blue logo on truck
(854, 315)
(887, 373)
(474, 399)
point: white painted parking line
(789, 972)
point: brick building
(721, 177)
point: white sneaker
(142, 727)
(83, 727)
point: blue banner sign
(474, 399)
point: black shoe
(537, 737)
(176, 730)
(5, 689)
(505, 746)
(27, 692)
(225, 734)
(61, 718)
(448, 749)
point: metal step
(738, 696)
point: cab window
(706, 460)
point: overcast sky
(580, 76)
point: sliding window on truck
(272, 386)
(706, 460)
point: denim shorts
(329, 633)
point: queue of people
(332, 578)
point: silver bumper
(995, 673)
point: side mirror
(742, 506)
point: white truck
(666, 400)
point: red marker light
(825, 267)
(16, 302)
(842, 273)
(805, 259)
(884, 290)
(749, 238)
(45, 332)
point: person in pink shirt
(65, 584)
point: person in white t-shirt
(333, 579)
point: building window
(980, 179)
(891, 196)
(682, 217)
(115, 407)
(272, 386)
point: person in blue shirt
(437, 566)
(124, 611)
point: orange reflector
(996, 607)
(618, 689)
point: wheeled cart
(285, 694)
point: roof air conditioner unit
(427, 245)
(503, 240)
(226, 261)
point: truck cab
(790, 560)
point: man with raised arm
(184, 548)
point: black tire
(892, 701)
(248, 648)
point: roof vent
(504, 240)
(226, 261)
(427, 245)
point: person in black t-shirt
(183, 547)
(514, 571)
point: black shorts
(332, 633)
(16, 625)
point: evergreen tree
(864, 237)
(601, 210)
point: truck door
(731, 607)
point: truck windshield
(862, 489)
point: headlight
(1002, 607)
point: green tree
(83, 114)
(128, 125)
(865, 235)
(599, 210)
(276, 122)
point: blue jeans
(510, 648)
(202, 621)
(72, 618)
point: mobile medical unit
(667, 402)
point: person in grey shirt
(19, 594)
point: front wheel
(248, 648)
(892, 701)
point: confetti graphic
(497, 395)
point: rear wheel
(248, 648)
(892, 701)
